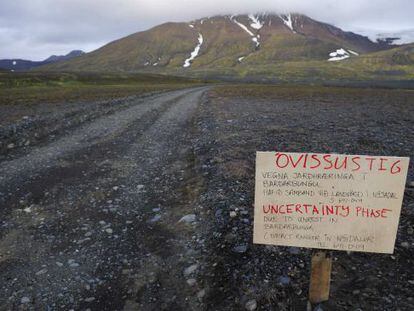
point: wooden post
(320, 276)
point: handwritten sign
(328, 201)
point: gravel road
(145, 203)
(86, 219)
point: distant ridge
(57, 58)
(24, 65)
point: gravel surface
(148, 203)
(235, 123)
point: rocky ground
(146, 203)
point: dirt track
(78, 212)
(129, 210)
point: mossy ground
(34, 87)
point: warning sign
(328, 201)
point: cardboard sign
(328, 201)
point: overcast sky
(35, 29)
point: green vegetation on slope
(391, 65)
(284, 55)
(226, 39)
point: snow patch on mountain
(14, 63)
(353, 52)
(255, 39)
(397, 37)
(243, 27)
(255, 22)
(194, 54)
(191, 26)
(287, 20)
(240, 59)
(403, 37)
(339, 54)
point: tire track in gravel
(89, 239)
(162, 186)
(16, 173)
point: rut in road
(99, 130)
(93, 219)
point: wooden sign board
(328, 201)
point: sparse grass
(306, 92)
(36, 87)
(364, 69)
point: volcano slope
(149, 206)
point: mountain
(19, 64)
(57, 58)
(23, 65)
(259, 47)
